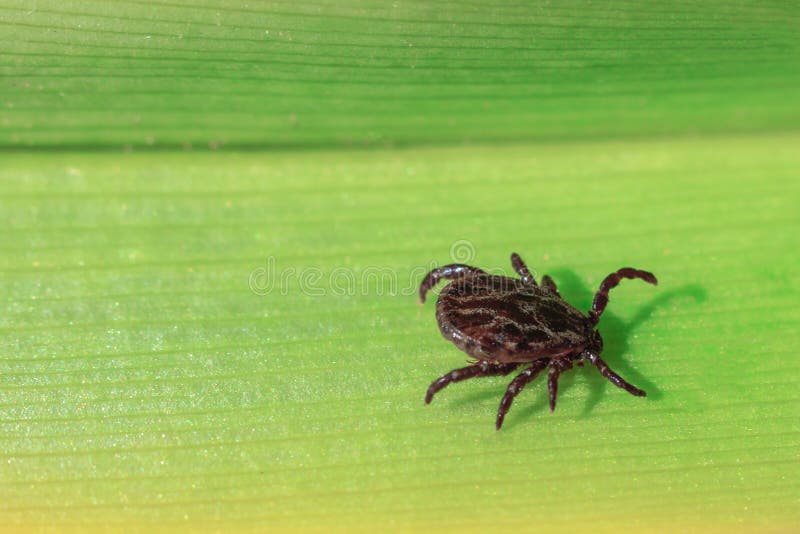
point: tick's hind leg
(522, 269)
(611, 281)
(448, 272)
(549, 285)
(516, 385)
(482, 368)
(613, 377)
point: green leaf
(230, 340)
(196, 74)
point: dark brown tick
(506, 323)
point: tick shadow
(615, 334)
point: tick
(507, 323)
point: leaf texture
(230, 340)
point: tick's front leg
(610, 282)
(613, 377)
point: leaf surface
(230, 340)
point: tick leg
(457, 375)
(611, 281)
(516, 385)
(549, 285)
(522, 269)
(552, 386)
(557, 366)
(613, 377)
(448, 272)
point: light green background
(145, 386)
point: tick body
(507, 324)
